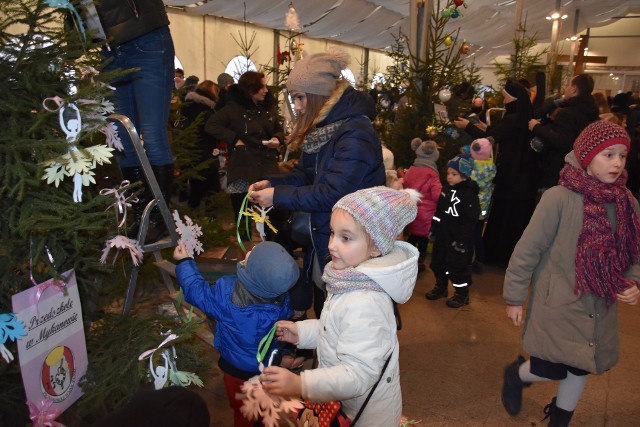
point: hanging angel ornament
(78, 163)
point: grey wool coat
(560, 327)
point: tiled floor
(452, 362)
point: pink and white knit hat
(596, 137)
(382, 211)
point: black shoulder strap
(384, 368)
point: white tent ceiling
(488, 25)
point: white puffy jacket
(355, 335)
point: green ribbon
(243, 208)
(265, 344)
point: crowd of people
(549, 193)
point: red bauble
(458, 3)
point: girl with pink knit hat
(580, 255)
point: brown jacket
(560, 327)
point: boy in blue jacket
(245, 305)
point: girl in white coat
(356, 332)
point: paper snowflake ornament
(259, 404)
(10, 329)
(189, 233)
(123, 242)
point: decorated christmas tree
(57, 192)
(438, 76)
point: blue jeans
(144, 95)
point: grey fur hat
(427, 153)
(318, 73)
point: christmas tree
(436, 74)
(56, 151)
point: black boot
(559, 417)
(157, 228)
(512, 387)
(438, 291)
(459, 299)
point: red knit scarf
(602, 256)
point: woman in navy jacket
(341, 153)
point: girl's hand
(514, 312)
(281, 382)
(287, 331)
(180, 252)
(631, 295)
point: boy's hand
(281, 382)
(514, 312)
(180, 252)
(287, 331)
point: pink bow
(44, 417)
(121, 203)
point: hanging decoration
(123, 242)
(53, 353)
(444, 94)
(44, 416)
(10, 329)
(121, 203)
(464, 48)
(77, 162)
(447, 41)
(168, 373)
(291, 21)
(189, 233)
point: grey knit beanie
(382, 211)
(427, 153)
(318, 73)
(269, 271)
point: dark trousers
(449, 262)
(420, 242)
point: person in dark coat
(620, 105)
(567, 118)
(201, 103)
(250, 126)
(452, 228)
(516, 181)
(341, 153)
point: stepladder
(157, 202)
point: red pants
(232, 386)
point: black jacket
(457, 213)
(242, 119)
(559, 134)
(196, 104)
(126, 20)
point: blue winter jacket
(238, 329)
(350, 161)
